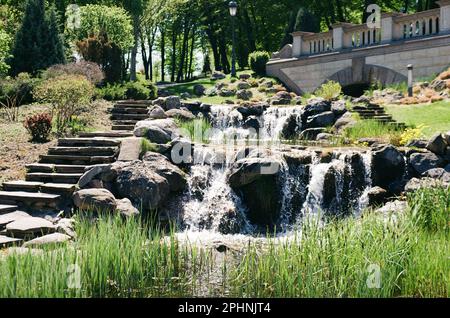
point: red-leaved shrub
(39, 126)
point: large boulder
(437, 145)
(98, 200)
(344, 122)
(199, 90)
(172, 102)
(244, 94)
(252, 109)
(162, 166)
(421, 162)
(388, 165)
(242, 85)
(139, 182)
(225, 92)
(159, 131)
(415, 184)
(255, 180)
(126, 208)
(311, 133)
(377, 196)
(217, 75)
(180, 114)
(157, 112)
(321, 120)
(316, 106)
(338, 107)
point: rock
(126, 208)
(98, 200)
(446, 137)
(396, 206)
(217, 75)
(338, 107)
(160, 101)
(159, 131)
(48, 240)
(255, 179)
(321, 120)
(242, 85)
(362, 100)
(139, 182)
(244, 76)
(370, 141)
(244, 94)
(225, 92)
(316, 106)
(9, 241)
(344, 122)
(29, 227)
(199, 90)
(324, 136)
(92, 173)
(377, 196)
(417, 143)
(185, 95)
(11, 217)
(180, 114)
(438, 85)
(206, 108)
(291, 126)
(437, 145)
(252, 109)
(212, 92)
(251, 122)
(172, 102)
(66, 226)
(388, 165)
(415, 184)
(435, 173)
(422, 162)
(162, 166)
(157, 112)
(311, 133)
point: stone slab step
(109, 134)
(86, 142)
(27, 186)
(133, 102)
(128, 110)
(6, 241)
(5, 208)
(124, 122)
(83, 151)
(54, 177)
(59, 188)
(46, 167)
(129, 116)
(76, 160)
(123, 127)
(28, 197)
(130, 105)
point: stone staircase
(50, 183)
(125, 114)
(377, 113)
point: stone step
(59, 188)
(6, 241)
(26, 186)
(76, 160)
(133, 102)
(129, 116)
(83, 151)
(123, 127)
(124, 122)
(27, 198)
(86, 142)
(54, 177)
(129, 105)
(109, 134)
(370, 111)
(128, 110)
(4, 208)
(44, 167)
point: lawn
(436, 116)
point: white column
(296, 46)
(387, 28)
(444, 19)
(338, 37)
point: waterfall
(274, 119)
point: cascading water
(335, 186)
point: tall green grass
(367, 128)
(197, 130)
(128, 258)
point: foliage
(136, 91)
(107, 54)
(38, 44)
(15, 92)
(412, 133)
(147, 146)
(372, 129)
(5, 41)
(90, 70)
(111, 92)
(66, 94)
(99, 20)
(329, 90)
(257, 62)
(39, 126)
(197, 130)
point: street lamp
(233, 10)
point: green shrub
(111, 92)
(197, 130)
(257, 61)
(136, 91)
(90, 70)
(39, 126)
(132, 90)
(66, 95)
(329, 90)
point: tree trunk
(190, 70)
(174, 52)
(183, 51)
(134, 50)
(223, 54)
(163, 54)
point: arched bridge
(355, 54)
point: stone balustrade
(348, 36)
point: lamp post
(233, 10)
